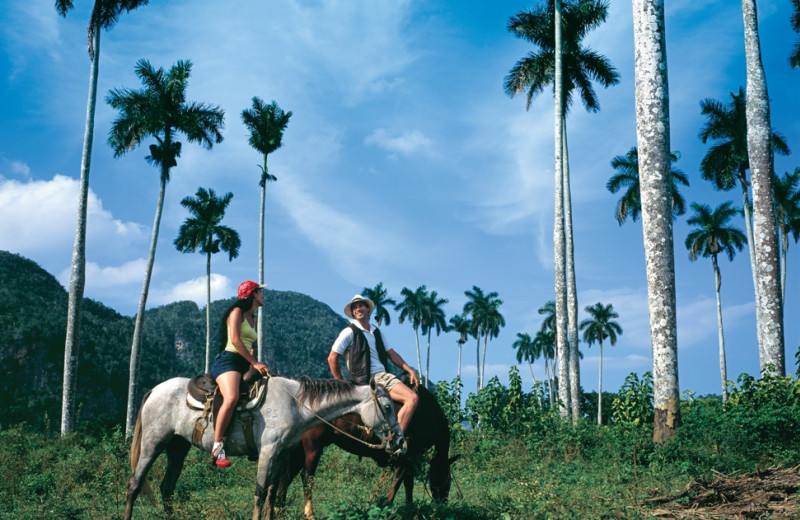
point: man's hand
(413, 379)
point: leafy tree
(462, 326)
(557, 30)
(203, 230)
(486, 322)
(529, 351)
(711, 236)
(652, 132)
(786, 191)
(104, 16)
(728, 161)
(380, 297)
(794, 59)
(412, 308)
(627, 176)
(433, 319)
(598, 327)
(266, 124)
(160, 111)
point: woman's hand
(261, 368)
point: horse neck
(334, 406)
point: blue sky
(404, 163)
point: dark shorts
(227, 361)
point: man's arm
(333, 363)
(400, 362)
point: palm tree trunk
(262, 347)
(652, 131)
(759, 150)
(419, 358)
(572, 289)
(478, 363)
(533, 388)
(459, 361)
(483, 361)
(428, 360)
(208, 314)
(784, 252)
(558, 230)
(77, 280)
(139, 323)
(600, 387)
(723, 369)
(751, 248)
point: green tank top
(248, 335)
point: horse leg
(265, 484)
(408, 483)
(313, 453)
(399, 476)
(177, 449)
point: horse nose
(402, 447)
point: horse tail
(136, 451)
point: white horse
(291, 407)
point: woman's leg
(228, 383)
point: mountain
(33, 317)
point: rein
(366, 430)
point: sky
(404, 162)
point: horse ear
(372, 384)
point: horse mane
(314, 390)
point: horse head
(439, 478)
(379, 417)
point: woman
(235, 360)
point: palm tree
(711, 236)
(760, 153)
(203, 230)
(598, 327)
(486, 322)
(794, 59)
(462, 325)
(728, 161)
(433, 318)
(563, 61)
(652, 132)
(627, 176)
(787, 209)
(266, 124)
(160, 111)
(412, 308)
(545, 340)
(381, 299)
(104, 16)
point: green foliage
(634, 404)
(498, 408)
(448, 395)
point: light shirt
(247, 334)
(346, 337)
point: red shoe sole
(223, 463)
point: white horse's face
(379, 415)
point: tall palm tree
(794, 59)
(558, 30)
(412, 308)
(787, 210)
(462, 326)
(627, 176)
(711, 236)
(104, 16)
(266, 124)
(598, 327)
(546, 333)
(727, 162)
(483, 309)
(203, 230)
(380, 297)
(433, 319)
(527, 350)
(160, 111)
(760, 152)
(652, 133)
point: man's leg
(408, 400)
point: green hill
(33, 316)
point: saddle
(203, 394)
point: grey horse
(291, 407)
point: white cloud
(406, 143)
(192, 290)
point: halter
(389, 434)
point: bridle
(366, 432)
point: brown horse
(429, 428)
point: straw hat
(348, 311)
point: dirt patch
(769, 493)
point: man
(367, 356)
